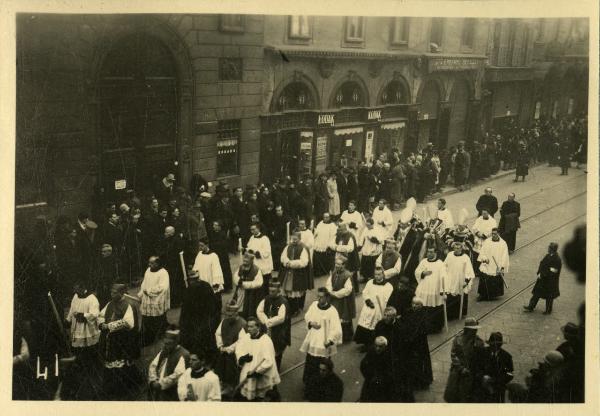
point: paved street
(552, 206)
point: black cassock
(199, 317)
(546, 287)
(378, 385)
(417, 348)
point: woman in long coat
(334, 197)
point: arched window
(349, 95)
(295, 96)
(394, 93)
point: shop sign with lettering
(453, 64)
(326, 119)
(374, 115)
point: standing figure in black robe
(331, 386)
(402, 296)
(417, 349)
(274, 313)
(546, 286)
(219, 243)
(241, 217)
(487, 202)
(199, 317)
(278, 236)
(522, 162)
(509, 221)
(376, 369)
(106, 272)
(228, 333)
(168, 250)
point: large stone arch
(159, 29)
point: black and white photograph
(359, 207)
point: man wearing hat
(200, 314)
(119, 346)
(547, 383)
(497, 370)
(273, 312)
(231, 329)
(296, 273)
(165, 188)
(546, 285)
(466, 368)
(166, 368)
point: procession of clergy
(417, 275)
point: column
(443, 125)
(412, 129)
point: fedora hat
(570, 329)
(472, 323)
(495, 338)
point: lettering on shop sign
(321, 147)
(326, 119)
(453, 64)
(374, 115)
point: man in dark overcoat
(546, 286)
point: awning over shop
(393, 126)
(349, 130)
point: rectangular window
(355, 29)
(512, 36)
(299, 27)
(496, 43)
(540, 29)
(437, 31)
(400, 28)
(232, 22)
(468, 34)
(228, 146)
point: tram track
(440, 345)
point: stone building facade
(107, 103)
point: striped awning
(349, 130)
(393, 126)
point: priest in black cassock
(200, 315)
(546, 286)
(377, 371)
(509, 221)
(418, 359)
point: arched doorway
(459, 101)
(137, 125)
(430, 99)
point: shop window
(437, 31)
(393, 94)
(299, 27)
(232, 22)
(468, 34)
(228, 145)
(400, 30)
(295, 96)
(349, 95)
(354, 31)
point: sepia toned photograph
(301, 208)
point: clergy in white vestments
(458, 281)
(198, 383)
(375, 296)
(354, 219)
(494, 262)
(323, 336)
(482, 230)
(83, 316)
(371, 246)
(323, 256)
(155, 296)
(209, 270)
(430, 275)
(383, 218)
(259, 246)
(306, 236)
(256, 357)
(445, 216)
